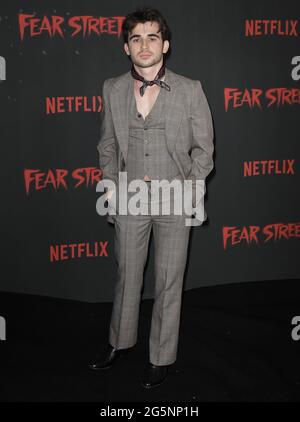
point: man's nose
(144, 43)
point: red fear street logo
(31, 26)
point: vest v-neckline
(135, 102)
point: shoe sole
(148, 387)
(110, 366)
(100, 369)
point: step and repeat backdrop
(54, 57)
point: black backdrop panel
(246, 55)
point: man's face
(145, 45)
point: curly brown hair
(142, 15)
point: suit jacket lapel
(120, 101)
(174, 110)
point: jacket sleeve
(202, 136)
(202, 140)
(106, 146)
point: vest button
(146, 154)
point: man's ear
(166, 46)
(126, 48)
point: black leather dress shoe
(110, 357)
(154, 375)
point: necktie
(146, 83)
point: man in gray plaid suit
(156, 125)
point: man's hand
(109, 194)
(112, 204)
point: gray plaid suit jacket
(188, 127)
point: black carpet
(235, 345)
